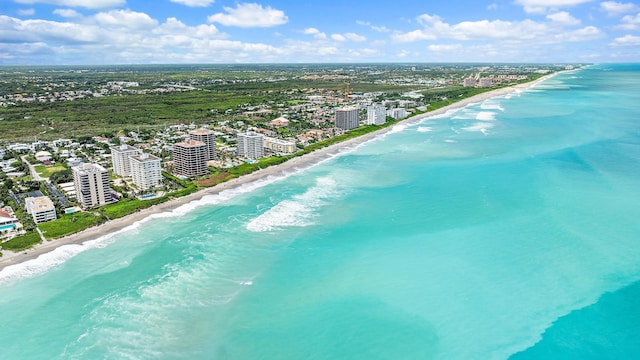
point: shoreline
(304, 161)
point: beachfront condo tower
(376, 115)
(91, 182)
(347, 118)
(208, 138)
(146, 171)
(189, 158)
(250, 145)
(120, 159)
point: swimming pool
(7, 227)
(147, 196)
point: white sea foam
(425, 129)
(486, 116)
(60, 255)
(491, 105)
(299, 211)
(465, 114)
(397, 128)
(479, 127)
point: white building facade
(91, 182)
(397, 113)
(279, 146)
(41, 209)
(376, 115)
(146, 171)
(120, 159)
(250, 145)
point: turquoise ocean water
(507, 229)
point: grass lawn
(46, 171)
(22, 242)
(69, 224)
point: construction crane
(347, 90)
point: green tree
(61, 176)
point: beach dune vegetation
(22, 242)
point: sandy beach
(307, 160)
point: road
(32, 169)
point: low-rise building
(279, 146)
(8, 219)
(41, 209)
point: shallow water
(505, 229)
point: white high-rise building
(376, 115)
(347, 118)
(397, 113)
(250, 145)
(91, 182)
(120, 159)
(146, 171)
(208, 138)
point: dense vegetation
(197, 93)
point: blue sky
(52, 32)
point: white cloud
(355, 37)
(627, 40)
(380, 29)
(26, 12)
(151, 42)
(355, 54)
(66, 13)
(194, 3)
(587, 33)
(521, 32)
(444, 47)
(613, 8)
(348, 37)
(542, 6)
(492, 6)
(250, 15)
(125, 19)
(16, 30)
(412, 36)
(316, 33)
(563, 18)
(630, 22)
(89, 4)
